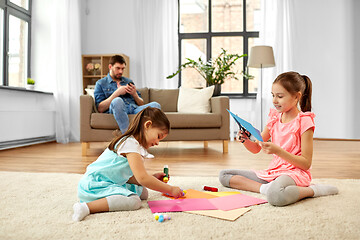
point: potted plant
(30, 83)
(215, 71)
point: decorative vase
(217, 90)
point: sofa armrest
(219, 105)
(86, 109)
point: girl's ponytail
(134, 129)
(305, 101)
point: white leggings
(283, 190)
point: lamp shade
(261, 57)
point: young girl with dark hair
(290, 127)
(117, 180)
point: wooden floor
(332, 159)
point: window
(15, 42)
(21, 3)
(206, 26)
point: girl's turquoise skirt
(108, 175)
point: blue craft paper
(250, 128)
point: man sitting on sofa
(117, 95)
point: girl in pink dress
(288, 177)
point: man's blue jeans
(120, 110)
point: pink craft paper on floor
(180, 205)
(235, 201)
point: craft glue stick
(166, 171)
(211, 189)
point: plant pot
(30, 86)
(217, 90)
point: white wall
(26, 115)
(356, 60)
(108, 28)
(326, 51)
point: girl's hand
(176, 192)
(270, 148)
(160, 175)
(242, 136)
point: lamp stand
(261, 57)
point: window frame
(25, 15)
(209, 35)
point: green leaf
(214, 71)
(30, 81)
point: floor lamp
(261, 57)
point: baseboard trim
(26, 142)
(336, 139)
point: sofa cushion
(195, 100)
(105, 121)
(144, 94)
(177, 120)
(194, 120)
(167, 98)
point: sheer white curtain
(157, 42)
(277, 30)
(66, 73)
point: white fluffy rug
(39, 206)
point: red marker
(211, 189)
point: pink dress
(288, 137)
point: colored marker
(166, 171)
(211, 189)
